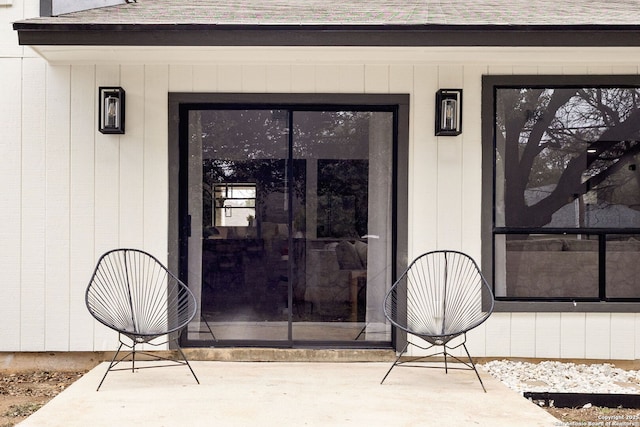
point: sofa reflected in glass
(240, 268)
(336, 278)
(567, 266)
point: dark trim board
(44, 33)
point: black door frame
(181, 103)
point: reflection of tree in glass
(246, 145)
(259, 134)
(572, 140)
(317, 132)
(342, 198)
(242, 134)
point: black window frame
(490, 83)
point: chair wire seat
(439, 297)
(134, 294)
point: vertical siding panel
(471, 161)
(498, 70)
(104, 191)
(547, 335)
(327, 78)
(156, 170)
(230, 78)
(32, 298)
(205, 78)
(58, 212)
(526, 70)
(107, 185)
(450, 191)
(11, 305)
(279, 78)
(254, 78)
(623, 331)
(376, 78)
(598, 336)
(181, 78)
(523, 334)
(303, 78)
(572, 335)
(423, 162)
(107, 174)
(550, 69)
(351, 79)
(401, 79)
(498, 333)
(83, 127)
(9, 46)
(476, 341)
(131, 191)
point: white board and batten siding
(70, 193)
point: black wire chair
(132, 293)
(439, 297)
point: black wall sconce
(449, 112)
(111, 110)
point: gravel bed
(560, 377)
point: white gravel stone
(560, 377)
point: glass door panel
(239, 216)
(342, 224)
(290, 213)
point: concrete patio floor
(288, 394)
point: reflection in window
(565, 162)
(343, 198)
(566, 157)
(235, 204)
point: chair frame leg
(395, 362)
(111, 365)
(187, 363)
(444, 353)
(133, 357)
(473, 365)
(132, 353)
(469, 365)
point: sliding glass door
(286, 214)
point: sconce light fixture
(449, 112)
(111, 109)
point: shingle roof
(344, 22)
(363, 12)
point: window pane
(548, 266)
(345, 219)
(623, 268)
(567, 157)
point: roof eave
(46, 34)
